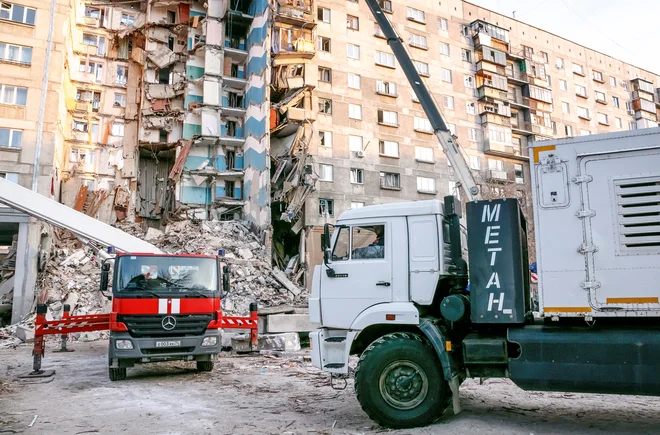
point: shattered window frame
(322, 42)
(327, 208)
(120, 100)
(325, 106)
(390, 180)
(352, 22)
(321, 14)
(325, 74)
(325, 139)
(129, 21)
(357, 176)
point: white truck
(393, 287)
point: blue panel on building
(196, 13)
(255, 159)
(239, 161)
(239, 131)
(190, 130)
(247, 184)
(262, 197)
(225, 101)
(258, 7)
(220, 191)
(256, 65)
(256, 95)
(237, 192)
(195, 195)
(190, 98)
(194, 162)
(254, 127)
(257, 36)
(194, 72)
(190, 43)
(220, 163)
(241, 74)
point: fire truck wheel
(205, 366)
(117, 374)
(399, 382)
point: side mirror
(105, 276)
(225, 279)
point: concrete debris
(289, 342)
(25, 333)
(152, 234)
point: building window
(613, 82)
(323, 44)
(598, 76)
(563, 85)
(355, 111)
(468, 81)
(17, 13)
(470, 108)
(325, 172)
(580, 91)
(568, 130)
(625, 86)
(600, 97)
(15, 53)
(602, 119)
(10, 176)
(442, 24)
(387, 117)
(578, 69)
(353, 81)
(390, 180)
(388, 148)
(326, 207)
(416, 15)
(386, 88)
(473, 135)
(325, 74)
(466, 55)
(565, 107)
(629, 107)
(615, 102)
(446, 75)
(585, 132)
(527, 52)
(424, 154)
(10, 138)
(353, 51)
(444, 49)
(323, 14)
(448, 102)
(414, 96)
(325, 106)
(357, 176)
(422, 67)
(426, 185)
(355, 143)
(495, 165)
(120, 100)
(618, 123)
(418, 41)
(82, 156)
(377, 31)
(632, 126)
(583, 113)
(423, 125)
(13, 95)
(544, 56)
(386, 5)
(94, 41)
(518, 171)
(352, 22)
(127, 20)
(559, 63)
(122, 75)
(355, 205)
(118, 129)
(475, 163)
(452, 129)
(384, 59)
(325, 139)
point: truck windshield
(157, 276)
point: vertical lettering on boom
(491, 214)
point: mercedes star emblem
(168, 323)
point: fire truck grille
(152, 326)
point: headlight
(124, 344)
(209, 341)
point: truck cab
(164, 308)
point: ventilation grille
(638, 208)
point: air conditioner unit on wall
(360, 153)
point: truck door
(362, 264)
(622, 229)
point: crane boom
(440, 129)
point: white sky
(625, 30)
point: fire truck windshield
(160, 275)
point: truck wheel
(399, 382)
(205, 366)
(117, 374)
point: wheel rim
(403, 384)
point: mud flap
(449, 368)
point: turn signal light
(390, 316)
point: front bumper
(147, 350)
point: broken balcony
(234, 75)
(233, 104)
(231, 133)
(235, 42)
(294, 42)
(295, 12)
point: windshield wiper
(191, 293)
(144, 291)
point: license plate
(168, 343)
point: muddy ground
(266, 395)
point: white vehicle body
(597, 224)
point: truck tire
(399, 382)
(117, 374)
(205, 366)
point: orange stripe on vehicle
(567, 309)
(649, 300)
(539, 150)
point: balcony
(487, 92)
(89, 21)
(645, 105)
(233, 105)
(513, 74)
(643, 95)
(508, 150)
(641, 114)
(642, 85)
(518, 100)
(496, 175)
(292, 42)
(296, 13)
(485, 65)
(494, 118)
(480, 39)
(537, 81)
(521, 127)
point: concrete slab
(278, 323)
(25, 333)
